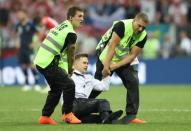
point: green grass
(165, 108)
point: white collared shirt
(85, 83)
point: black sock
(35, 74)
(26, 76)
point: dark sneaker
(113, 116)
(127, 119)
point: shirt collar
(78, 72)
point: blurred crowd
(172, 14)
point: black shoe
(128, 119)
(113, 116)
(124, 120)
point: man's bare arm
(114, 41)
(70, 55)
(128, 59)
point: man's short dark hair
(142, 16)
(79, 55)
(72, 11)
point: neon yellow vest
(126, 43)
(52, 46)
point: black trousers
(129, 77)
(59, 82)
(83, 109)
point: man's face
(81, 64)
(138, 26)
(78, 19)
(21, 15)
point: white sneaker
(61, 100)
(45, 90)
(37, 88)
(26, 88)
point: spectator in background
(7, 38)
(178, 11)
(189, 11)
(185, 43)
(4, 4)
(44, 24)
(132, 7)
(5, 32)
(166, 47)
(152, 47)
(162, 11)
(59, 10)
(4, 15)
(41, 8)
(25, 30)
(88, 43)
(148, 7)
(102, 16)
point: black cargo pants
(129, 77)
(59, 83)
(83, 109)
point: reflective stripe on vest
(49, 49)
(54, 42)
(120, 48)
(120, 57)
(58, 46)
(123, 49)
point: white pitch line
(165, 110)
(20, 110)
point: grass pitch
(165, 108)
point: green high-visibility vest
(53, 45)
(126, 43)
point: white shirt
(185, 45)
(135, 61)
(84, 84)
(178, 11)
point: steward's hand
(106, 72)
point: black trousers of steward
(129, 77)
(59, 83)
